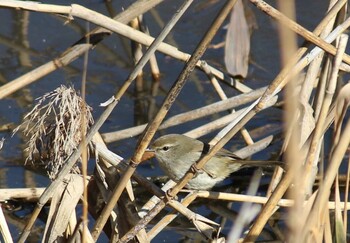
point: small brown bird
(176, 153)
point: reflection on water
(29, 39)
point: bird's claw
(168, 195)
(195, 170)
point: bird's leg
(194, 169)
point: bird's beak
(149, 153)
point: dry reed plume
(53, 127)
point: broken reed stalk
(84, 153)
(29, 194)
(172, 94)
(153, 60)
(100, 222)
(109, 25)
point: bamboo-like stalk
(257, 199)
(346, 198)
(84, 154)
(293, 154)
(166, 220)
(30, 194)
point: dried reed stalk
(258, 199)
(4, 229)
(292, 154)
(30, 194)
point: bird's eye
(165, 148)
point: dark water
(30, 39)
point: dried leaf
(237, 45)
(62, 206)
(342, 104)
(307, 122)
